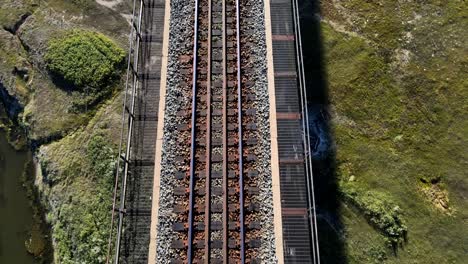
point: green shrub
(84, 58)
(379, 211)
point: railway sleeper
(253, 208)
(251, 157)
(182, 191)
(219, 175)
(219, 112)
(185, 58)
(216, 261)
(186, 71)
(217, 98)
(219, 127)
(200, 244)
(217, 32)
(202, 174)
(202, 71)
(220, 261)
(202, 83)
(201, 155)
(201, 113)
(233, 157)
(183, 127)
(214, 226)
(231, 70)
(253, 261)
(253, 243)
(251, 141)
(252, 190)
(218, 208)
(217, 142)
(254, 225)
(251, 173)
(180, 175)
(251, 126)
(248, 84)
(219, 157)
(180, 209)
(217, 84)
(179, 244)
(184, 113)
(251, 112)
(182, 227)
(232, 98)
(250, 97)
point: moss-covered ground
(396, 77)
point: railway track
(215, 200)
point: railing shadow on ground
(133, 249)
(330, 228)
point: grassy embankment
(73, 126)
(398, 89)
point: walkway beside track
(295, 172)
(136, 235)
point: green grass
(400, 123)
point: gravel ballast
(181, 43)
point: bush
(379, 211)
(84, 58)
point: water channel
(16, 212)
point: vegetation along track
(215, 203)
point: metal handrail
(132, 69)
(306, 136)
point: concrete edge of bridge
(275, 173)
(152, 249)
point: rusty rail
(193, 139)
(241, 152)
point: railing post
(135, 40)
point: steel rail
(193, 140)
(208, 144)
(306, 136)
(239, 116)
(124, 104)
(129, 136)
(225, 143)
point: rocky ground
(75, 147)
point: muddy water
(16, 213)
